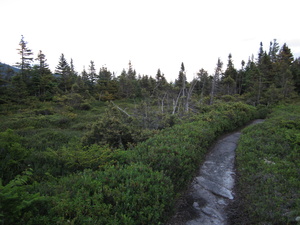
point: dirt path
(212, 190)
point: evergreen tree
(26, 60)
(241, 79)
(260, 53)
(204, 84)
(295, 68)
(106, 87)
(230, 79)
(131, 72)
(74, 74)
(104, 74)
(180, 85)
(128, 83)
(253, 82)
(41, 58)
(92, 74)
(85, 77)
(216, 80)
(285, 61)
(42, 80)
(265, 67)
(274, 48)
(63, 69)
(180, 82)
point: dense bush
(130, 194)
(177, 151)
(116, 130)
(268, 162)
(12, 155)
(96, 184)
(17, 205)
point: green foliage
(12, 156)
(177, 151)
(97, 184)
(115, 129)
(17, 205)
(268, 163)
(131, 194)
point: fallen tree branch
(122, 110)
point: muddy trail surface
(206, 200)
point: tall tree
(180, 84)
(74, 73)
(260, 53)
(253, 82)
(63, 69)
(26, 59)
(273, 51)
(92, 73)
(41, 78)
(204, 84)
(131, 73)
(128, 84)
(216, 80)
(42, 62)
(295, 68)
(106, 87)
(230, 79)
(285, 60)
(241, 78)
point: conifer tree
(63, 69)
(131, 73)
(92, 73)
(180, 82)
(295, 68)
(204, 84)
(230, 78)
(216, 80)
(273, 51)
(285, 60)
(26, 59)
(241, 78)
(42, 78)
(74, 74)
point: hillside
(8, 70)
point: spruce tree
(285, 60)
(203, 85)
(216, 80)
(43, 80)
(273, 51)
(26, 60)
(92, 73)
(230, 78)
(63, 69)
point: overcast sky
(152, 34)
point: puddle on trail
(212, 190)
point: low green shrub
(85, 183)
(13, 155)
(177, 151)
(268, 162)
(17, 205)
(130, 194)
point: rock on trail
(211, 191)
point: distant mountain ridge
(5, 69)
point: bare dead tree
(122, 110)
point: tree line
(270, 77)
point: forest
(95, 147)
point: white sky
(151, 33)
